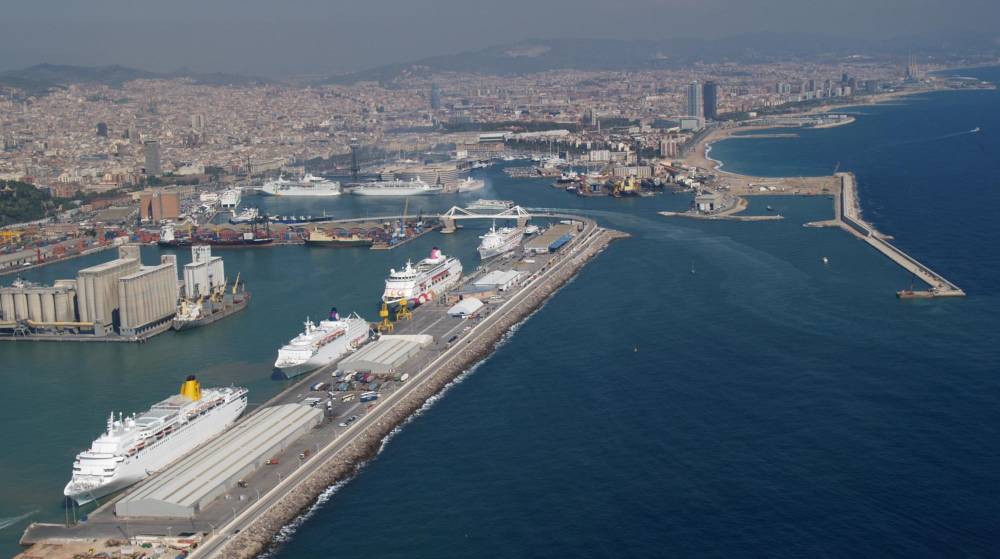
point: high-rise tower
(694, 105)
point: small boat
(770, 209)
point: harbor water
(700, 389)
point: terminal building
(386, 355)
(192, 483)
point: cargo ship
(131, 447)
(206, 310)
(428, 280)
(321, 344)
(499, 241)
(168, 239)
(320, 238)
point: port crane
(386, 325)
(403, 312)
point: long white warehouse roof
(193, 482)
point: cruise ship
(428, 280)
(321, 344)
(231, 198)
(133, 447)
(499, 241)
(412, 187)
(309, 185)
(470, 184)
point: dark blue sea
(702, 389)
(776, 407)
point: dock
(847, 210)
(241, 522)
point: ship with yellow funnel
(133, 447)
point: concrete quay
(245, 521)
(849, 218)
(252, 531)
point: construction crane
(386, 325)
(403, 312)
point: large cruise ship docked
(418, 284)
(499, 241)
(308, 185)
(321, 344)
(412, 187)
(133, 447)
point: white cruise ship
(499, 241)
(428, 280)
(308, 185)
(321, 344)
(412, 187)
(133, 447)
(470, 184)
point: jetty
(847, 216)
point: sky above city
(297, 37)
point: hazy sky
(285, 37)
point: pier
(847, 216)
(241, 523)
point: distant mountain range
(40, 78)
(607, 54)
(542, 55)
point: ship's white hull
(160, 454)
(301, 192)
(398, 191)
(328, 354)
(422, 290)
(488, 249)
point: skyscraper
(152, 157)
(694, 105)
(435, 97)
(355, 167)
(710, 95)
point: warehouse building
(386, 355)
(465, 307)
(148, 297)
(184, 489)
(551, 240)
(499, 280)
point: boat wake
(289, 530)
(10, 521)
